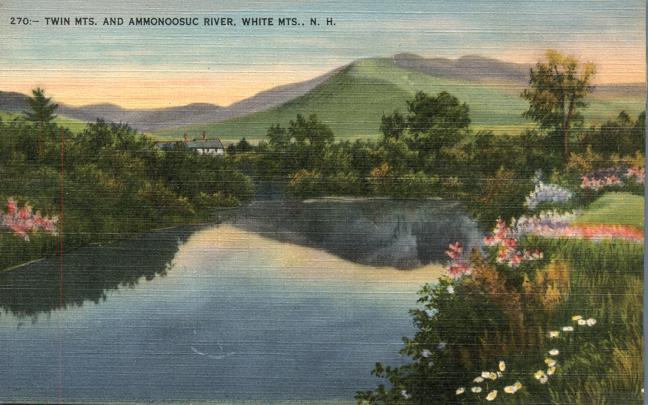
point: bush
(306, 183)
(526, 326)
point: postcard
(323, 202)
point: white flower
(405, 394)
(576, 318)
(491, 395)
(551, 370)
(500, 374)
(541, 376)
(450, 289)
(568, 328)
(550, 362)
(582, 322)
(554, 352)
(426, 353)
(502, 366)
(460, 390)
(478, 380)
(431, 312)
(512, 389)
(492, 376)
(553, 334)
(591, 322)
(476, 390)
(485, 374)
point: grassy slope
(615, 208)
(353, 101)
(71, 123)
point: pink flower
(509, 243)
(455, 250)
(22, 221)
(458, 269)
(25, 212)
(516, 260)
(11, 206)
(501, 230)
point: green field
(71, 123)
(615, 208)
(353, 101)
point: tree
(556, 91)
(436, 124)
(441, 112)
(311, 131)
(42, 108)
(393, 126)
(278, 137)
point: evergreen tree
(42, 108)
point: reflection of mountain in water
(88, 273)
(403, 234)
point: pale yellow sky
(146, 67)
(149, 89)
(139, 88)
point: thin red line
(61, 272)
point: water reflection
(230, 311)
(88, 274)
(376, 232)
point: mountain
(352, 100)
(144, 120)
(12, 102)
(471, 68)
(173, 117)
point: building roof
(200, 144)
(206, 144)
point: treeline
(431, 151)
(116, 181)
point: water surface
(278, 303)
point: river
(278, 301)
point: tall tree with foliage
(436, 124)
(42, 108)
(393, 125)
(556, 93)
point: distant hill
(172, 117)
(471, 68)
(354, 98)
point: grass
(606, 284)
(72, 124)
(615, 208)
(352, 103)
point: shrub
(306, 183)
(514, 329)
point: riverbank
(550, 313)
(15, 252)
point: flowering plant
(493, 382)
(546, 193)
(22, 221)
(613, 178)
(503, 248)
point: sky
(150, 67)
